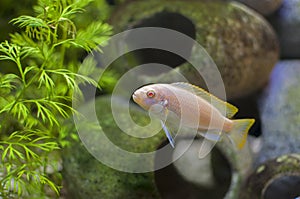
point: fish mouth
(134, 96)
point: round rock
(240, 41)
(286, 22)
(86, 177)
(277, 178)
(280, 108)
(264, 7)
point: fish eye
(150, 93)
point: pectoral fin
(168, 134)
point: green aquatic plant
(36, 96)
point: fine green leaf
(36, 98)
(29, 21)
(95, 34)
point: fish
(197, 109)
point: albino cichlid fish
(196, 109)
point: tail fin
(239, 132)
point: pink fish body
(196, 109)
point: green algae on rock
(86, 177)
(264, 182)
(242, 44)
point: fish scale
(192, 105)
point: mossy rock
(240, 41)
(86, 177)
(265, 183)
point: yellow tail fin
(239, 132)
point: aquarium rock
(280, 112)
(286, 22)
(277, 178)
(241, 43)
(264, 7)
(87, 177)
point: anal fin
(209, 141)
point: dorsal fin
(213, 100)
